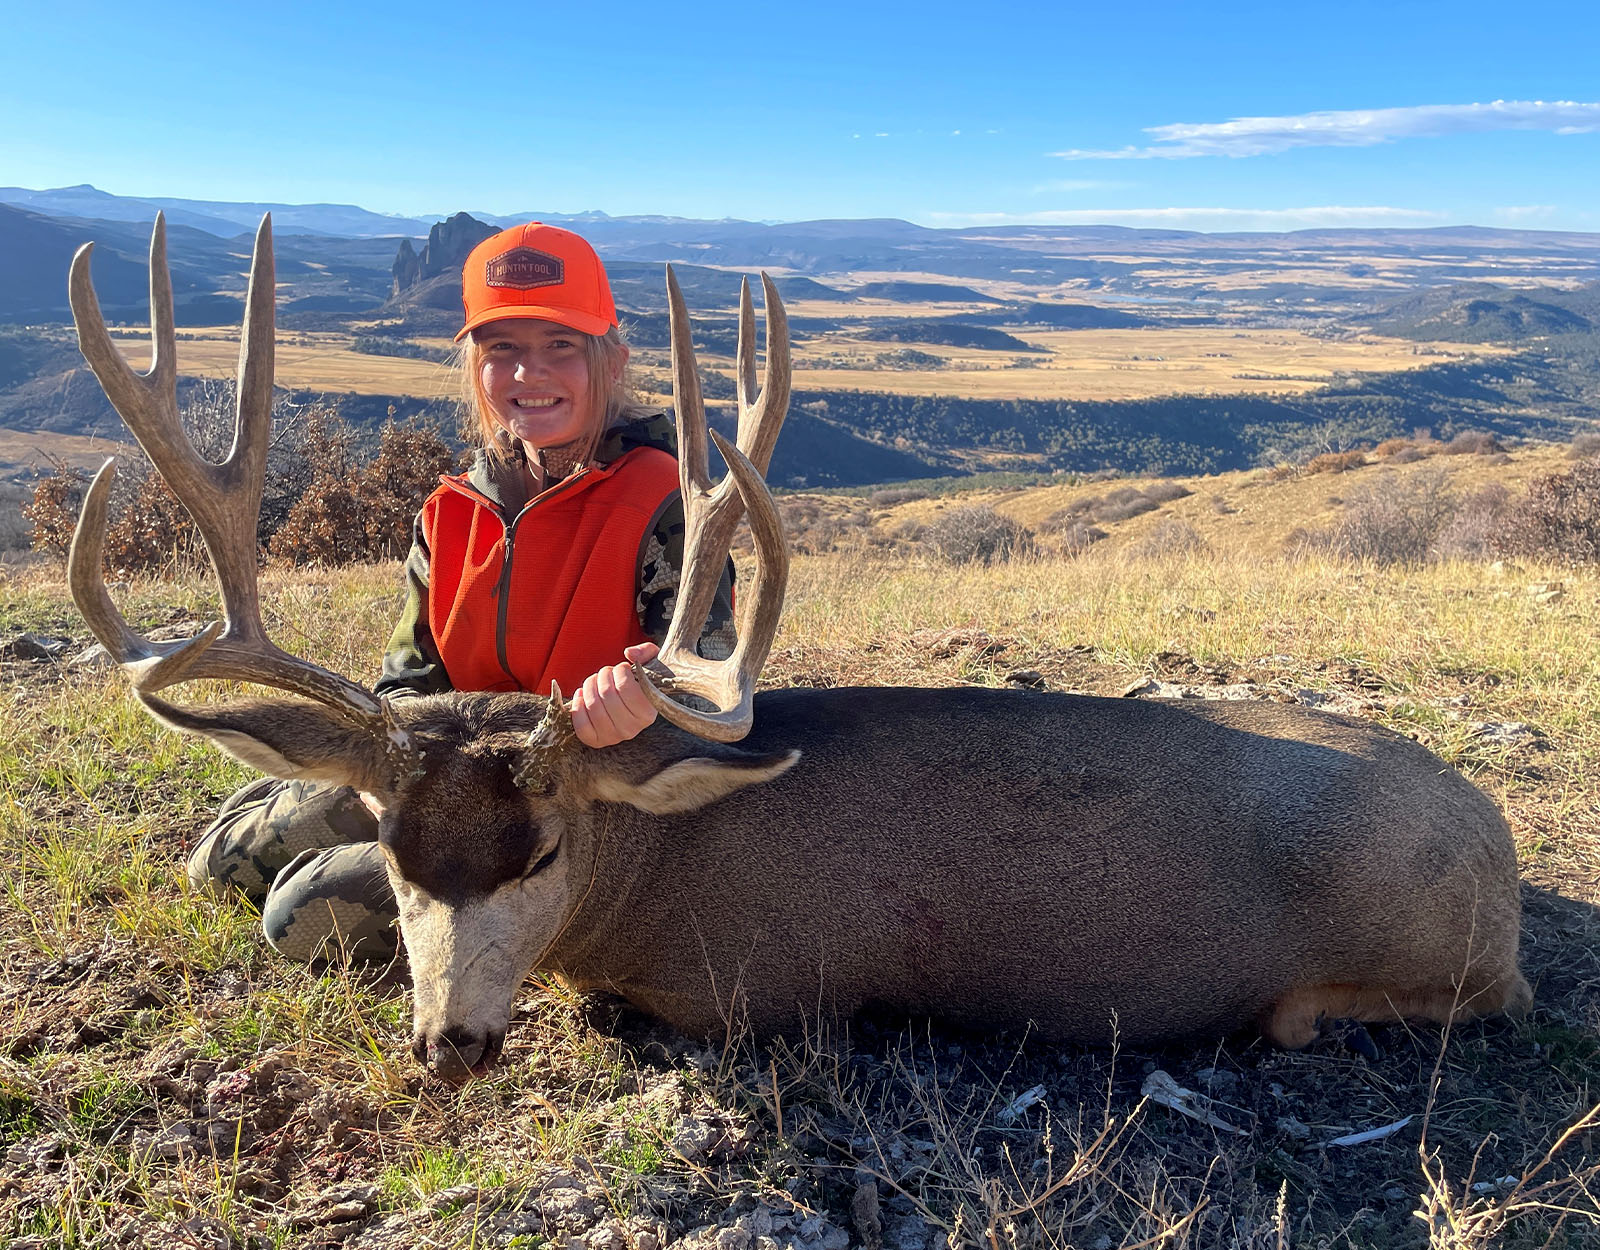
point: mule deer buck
(993, 858)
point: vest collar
(503, 484)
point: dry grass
(137, 1016)
(43, 450)
(1263, 507)
(316, 362)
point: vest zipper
(503, 590)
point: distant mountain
(1482, 313)
(922, 292)
(36, 252)
(219, 217)
(1065, 317)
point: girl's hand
(611, 706)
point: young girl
(555, 557)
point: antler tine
(693, 464)
(711, 514)
(758, 436)
(224, 499)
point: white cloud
(1327, 216)
(1079, 184)
(1266, 136)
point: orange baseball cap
(540, 272)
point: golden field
(1082, 364)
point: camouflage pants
(307, 854)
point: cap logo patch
(523, 268)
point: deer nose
(455, 1055)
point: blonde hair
(611, 396)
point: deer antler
(224, 499)
(711, 514)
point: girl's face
(536, 377)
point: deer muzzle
(457, 1055)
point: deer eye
(544, 862)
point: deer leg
(1296, 1018)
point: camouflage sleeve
(660, 567)
(411, 664)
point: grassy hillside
(163, 1076)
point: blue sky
(1195, 116)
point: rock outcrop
(448, 244)
(407, 269)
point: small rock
(94, 657)
(32, 1153)
(1292, 1128)
(1546, 592)
(337, 1206)
(229, 1086)
(183, 628)
(208, 1233)
(1501, 733)
(912, 1232)
(456, 1194)
(692, 1139)
(35, 647)
(1218, 1080)
(1395, 1194)
(176, 1141)
(607, 1236)
(735, 1238)
(1028, 678)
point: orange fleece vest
(554, 596)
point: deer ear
(693, 783)
(286, 738)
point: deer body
(993, 858)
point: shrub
(319, 503)
(1121, 504)
(1472, 443)
(381, 345)
(53, 510)
(354, 512)
(1390, 446)
(890, 496)
(1474, 530)
(1168, 539)
(1584, 445)
(1078, 537)
(977, 534)
(1166, 492)
(1391, 521)
(1336, 462)
(1558, 519)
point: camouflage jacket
(411, 664)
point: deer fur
(1000, 859)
